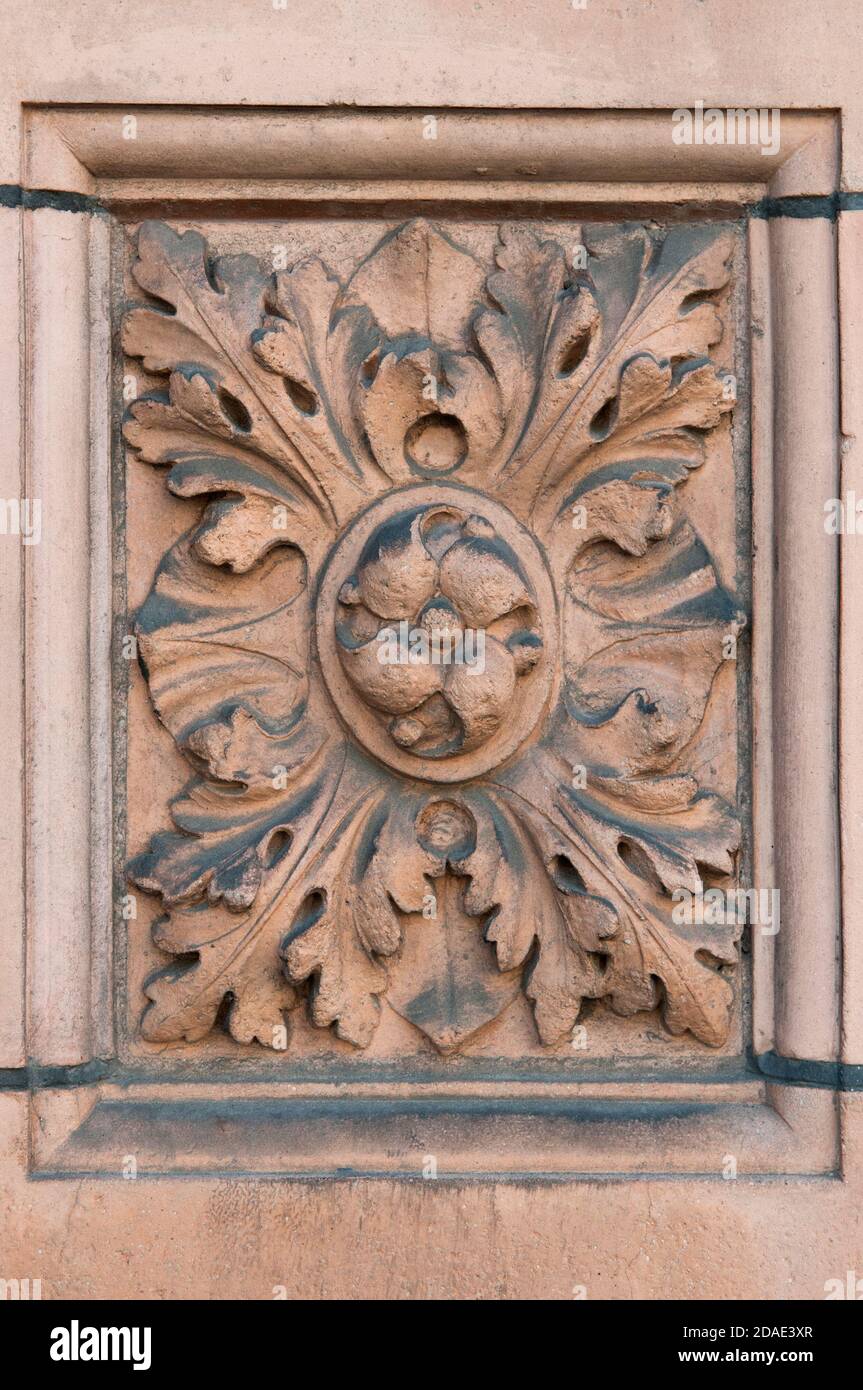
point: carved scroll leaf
(234, 926)
(624, 370)
(219, 386)
(649, 628)
(539, 315)
(347, 909)
(635, 859)
(209, 650)
(227, 829)
(537, 903)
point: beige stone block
(18, 516)
(851, 580)
(234, 1238)
(806, 595)
(501, 58)
(57, 657)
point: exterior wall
(632, 1197)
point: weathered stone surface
(483, 468)
(473, 143)
(234, 1238)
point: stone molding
(795, 455)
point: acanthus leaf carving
(436, 448)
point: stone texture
(244, 1239)
(850, 250)
(485, 458)
(12, 938)
(493, 56)
(640, 1235)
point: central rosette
(436, 628)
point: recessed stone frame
(476, 1126)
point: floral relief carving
(497, 452)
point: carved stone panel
(443, 608)
(403, 622)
